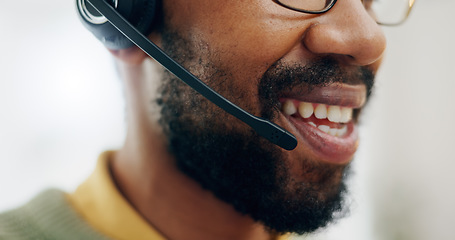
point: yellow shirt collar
(102, 205)
(104, 208)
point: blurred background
(61, 105)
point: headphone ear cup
(140, 13)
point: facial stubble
(234, 162)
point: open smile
(323, 120)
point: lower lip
(331, 149)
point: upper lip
(339, 94)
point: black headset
(119, 24)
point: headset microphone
(98, 13)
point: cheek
(247, 51)
(253, 45)
(245, 36)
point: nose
(347, 31)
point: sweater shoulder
(48, 216)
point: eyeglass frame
(330, 6)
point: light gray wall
(412, 133)
(60, 100)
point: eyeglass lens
(388, 12)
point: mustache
(281, 77)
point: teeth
(333, 131)
(306, 109)
(342, 131)
(289, 108)
(324, 128)
(334, 114)
(346, 115)
(321, 111)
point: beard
(231, 160)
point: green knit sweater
(49, 216)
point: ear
(132, 55)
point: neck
(171, 202)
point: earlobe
(132, 55)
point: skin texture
(244, 39)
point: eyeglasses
(385, 12)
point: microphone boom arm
(263, 127)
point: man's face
(278, 64)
